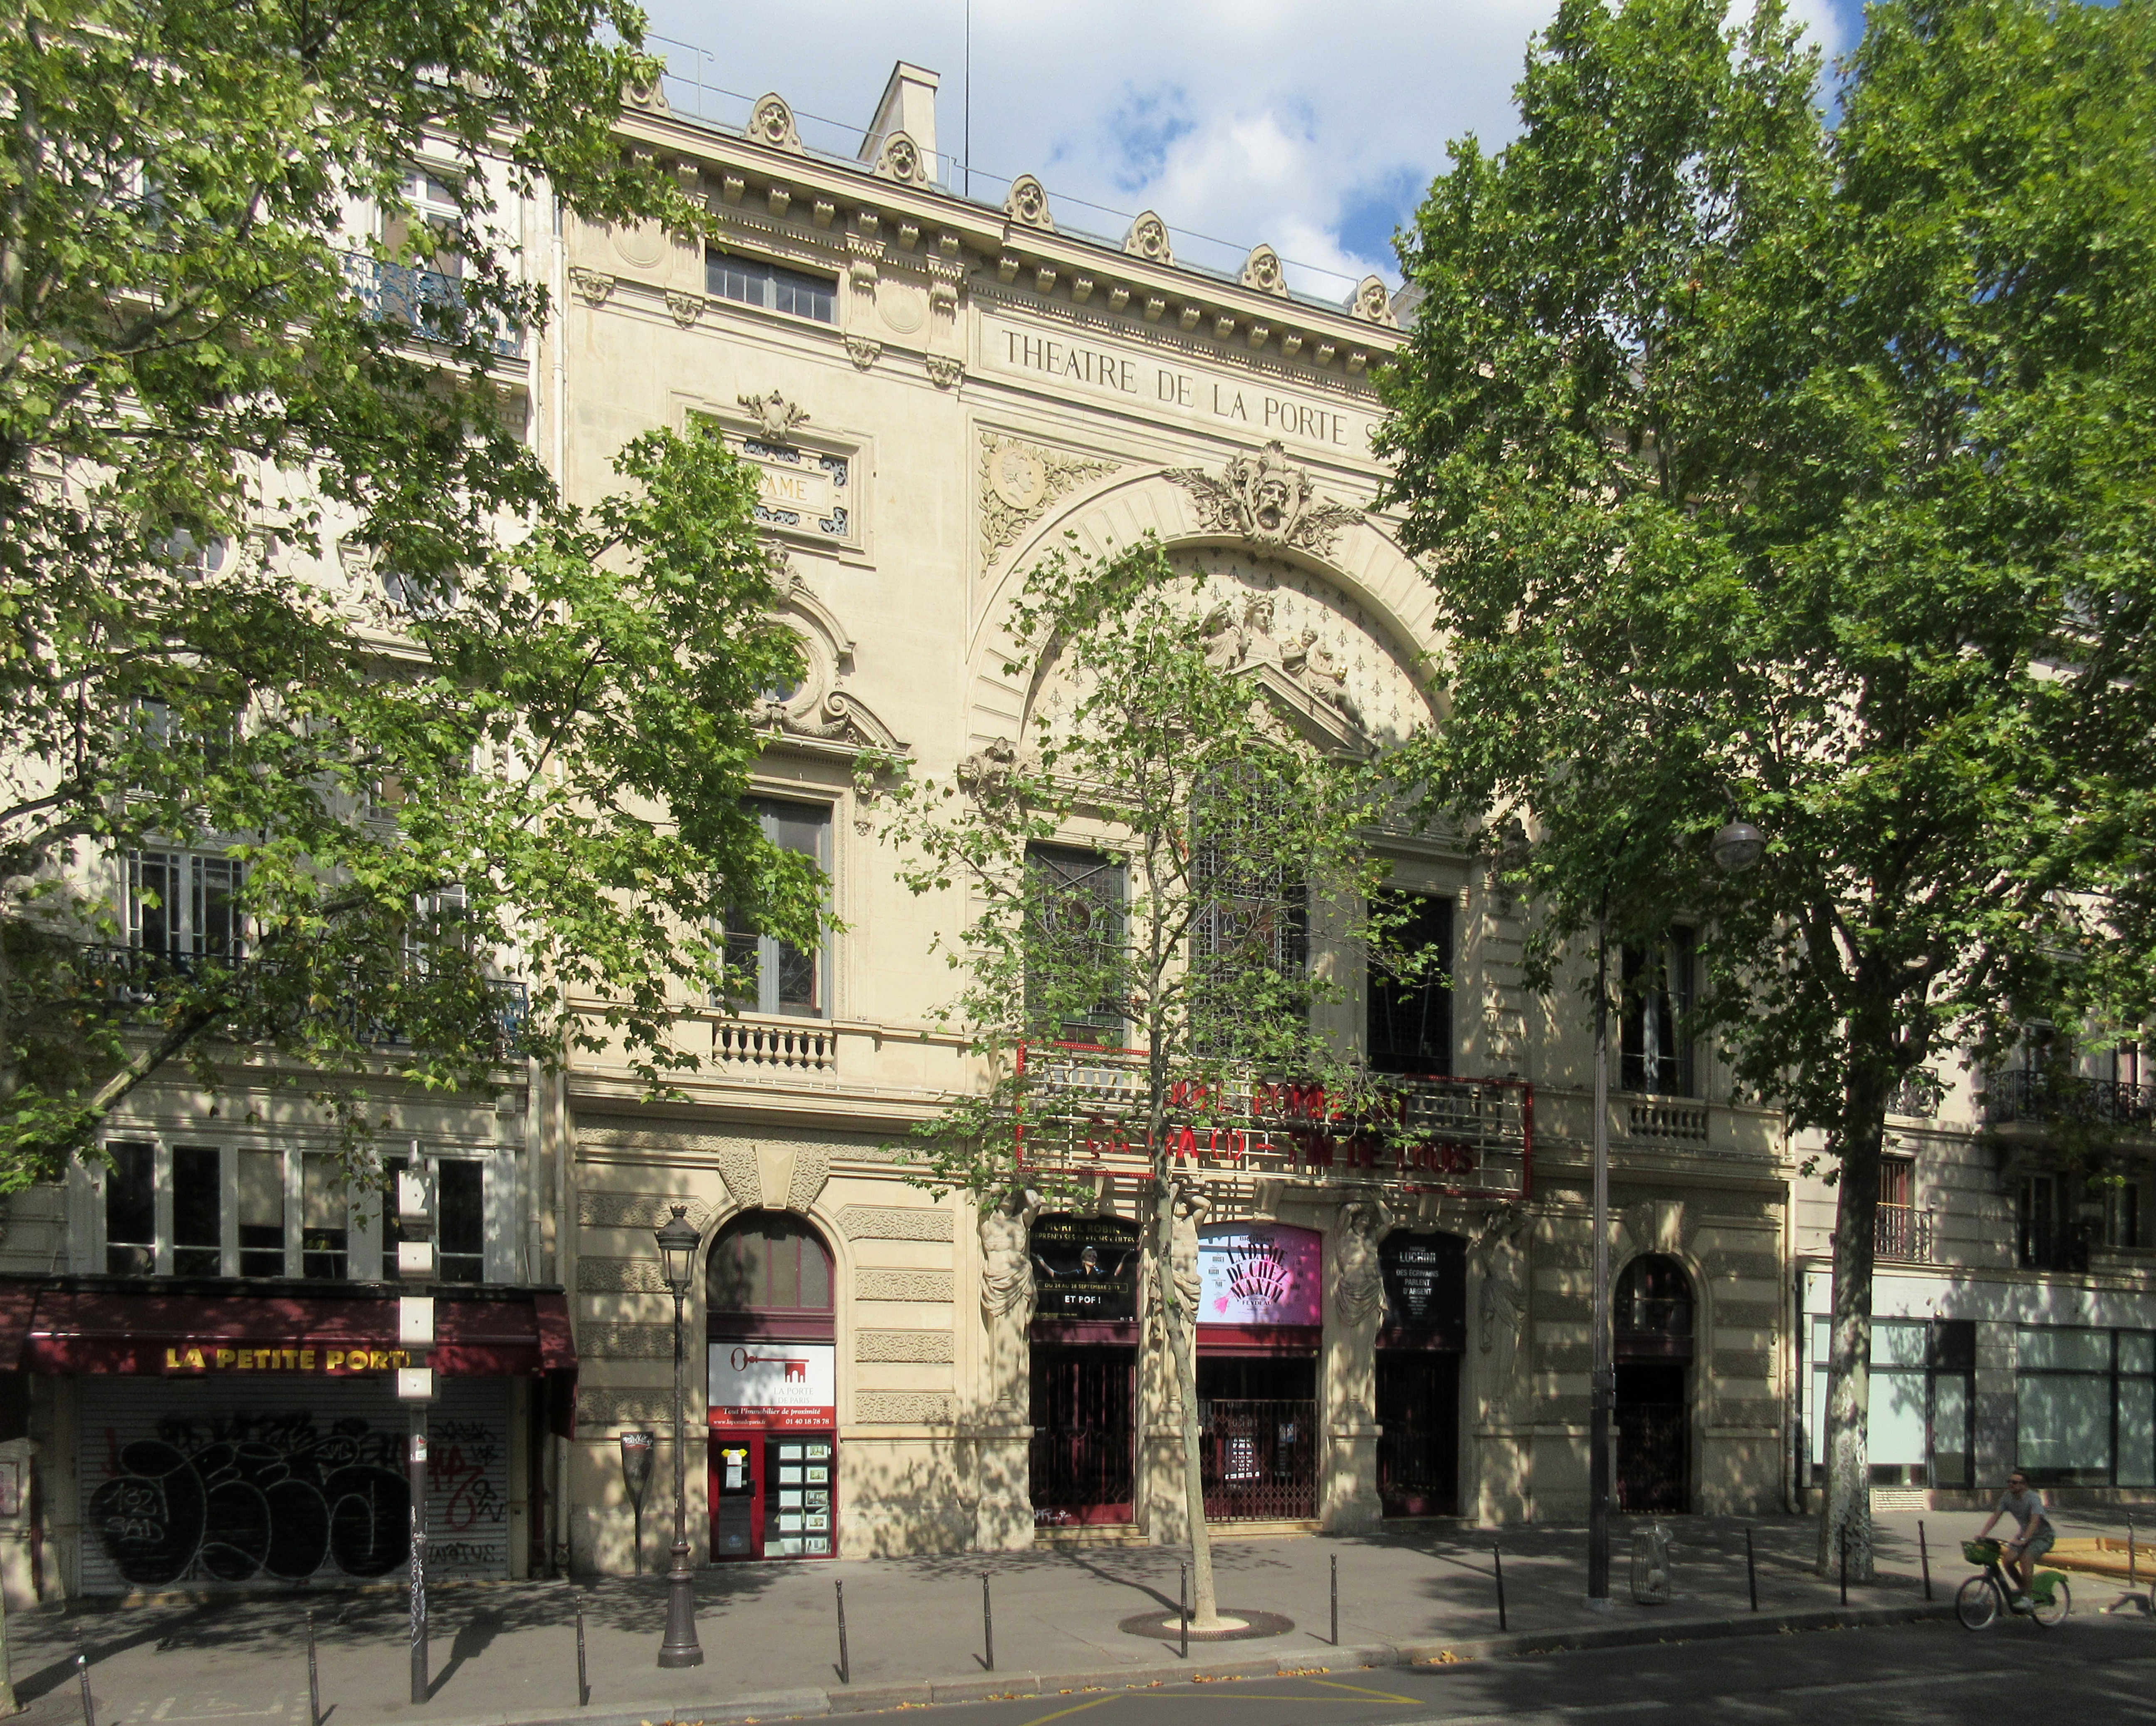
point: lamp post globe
(678, 1240)
(1737, 847)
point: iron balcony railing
(1081, 1112)
(430, 303)
(2044, 1098)
(1901, 1231)
(137, 976)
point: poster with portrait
(1084, 1267)
(1259, 1273)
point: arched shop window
(770, 1265)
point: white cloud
(1313, 127)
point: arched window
(1652, 1310)
(769, 1271)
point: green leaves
(1806, 468)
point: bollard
(846, 1665)
(1924, 1558)
(987, 1623)
(1336, 1599)
(583, 1671)
(1183, 1604)
(1497, 1559)
(2133, 1573)
(1844, 1533)
(82, 1672)
(1751, 1571)
(314, 1676)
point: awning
(79, 1329)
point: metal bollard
(2132, 1572)
(987, 1623)
(82, 1672)
(846, 1665)
(314, 1676)
(1336, 1599)
(1183, 1604)
(1751, 1571)
(1497, 1559)
(583, 1671)
(1924, 1558)
(1844, 1533)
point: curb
(993, 1686)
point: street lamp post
(677, 1256)
(1735, 848)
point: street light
(1735, 848)
(678, 1241)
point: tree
(261, 309)
(1233, 843)
(1804, 469)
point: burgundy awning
(101, 1330)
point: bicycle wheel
(2054, 1610)
(1977, 1605)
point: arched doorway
(775, 1417)
(1420, 1344)
(1653, 1314)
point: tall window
(1658, 997)
(459, 1217)
(131, 1210)
(753, 282)
(1074, 940)
(775, 976)
(428, 237)
(197, 1211)
(184, 907)
(1410, 1018)
(1250, 940)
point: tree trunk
(1846, 1512)
(1179, 1325)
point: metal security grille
(1418, 1450)
(1082, 1463)
(224, 1480)
(1259, 1459)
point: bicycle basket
(1980, 1553)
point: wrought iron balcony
(1901, 1231)
(1080, 1112)
(430, 303)
(2050, 1097)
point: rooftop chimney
(908, 106)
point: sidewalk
(506, 1653)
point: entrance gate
(1418, 1450)
(1652, 1312)
(1082, 1464)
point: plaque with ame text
(1426, 1280)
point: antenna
(967, 144)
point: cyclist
(2034, 1536)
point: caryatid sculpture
(1007, 1288)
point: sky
(1312, 127)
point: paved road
(2090, 1670)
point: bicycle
(1978, 1602)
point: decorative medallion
(1262, 271)
(901, 160)
(1148, 239)
(775, 417)
(641, 244)
(1019, 481)
(1266, 500)
(771, 121)
(903, 307)
(1372, 302)
(650, 97)
(1027, 204)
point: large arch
(1376, 583)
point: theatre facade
(935, 391)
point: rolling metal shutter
(189, 1481)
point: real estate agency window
(1658, 997)
(753, 281)
(774, 976)
(2086, 1406)
(1074, 942)
(1409, 1012)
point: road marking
(1364, 1690)
(1076, 1709)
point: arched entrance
(775, 1417)
(1420, 1345)
(1653, 1314)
